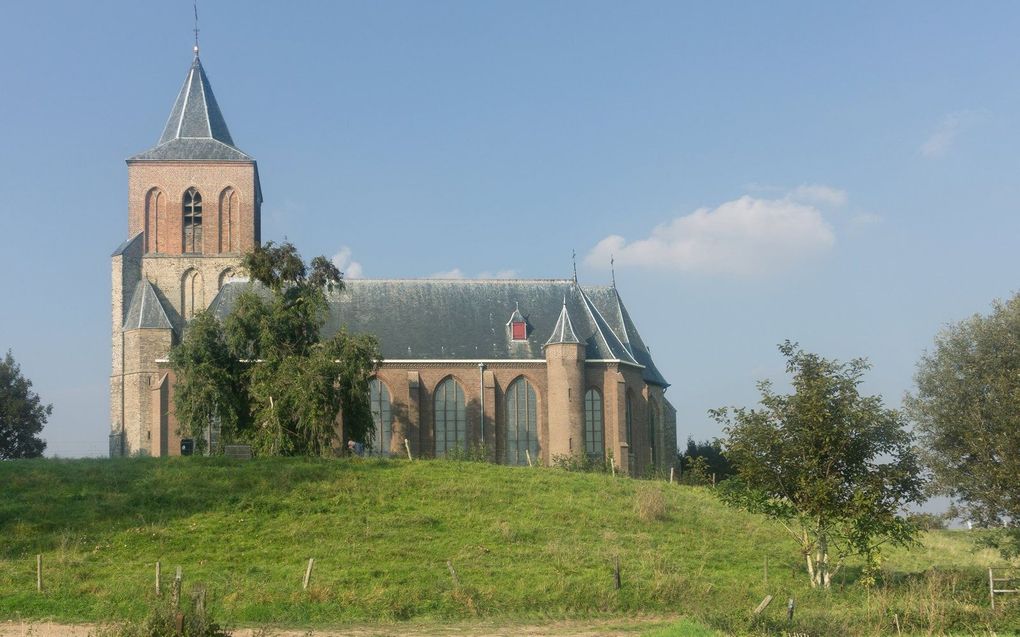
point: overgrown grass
(525, 544)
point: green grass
(526, 545)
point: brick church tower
(194, 206)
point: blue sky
(840, 174)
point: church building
(530, 369)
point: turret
(564, 357)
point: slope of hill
(437, 541)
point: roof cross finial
(195, 5)
(612, 268)
(573, 259)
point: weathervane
(195, 5)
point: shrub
(162, 621)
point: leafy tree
(702, 460)
(833, 466)
(22, 415)
(209, 383)
(266, 372)
(967, 413)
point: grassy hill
(523, 544)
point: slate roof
(195, 129)
(146, 310)
(563, 331)
(441, 319)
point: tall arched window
(593, 424)
(653, 429)
(521, 423)
(382, 417)
(155, 221)
(449, 417)
(629, 421)
(192, 221)
(228, 221)
(192, 293)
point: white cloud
(457, 273)
(819, 194)
(941, 141)
(350, 268)
(744, 237)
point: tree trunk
(824, 578)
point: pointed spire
(612, 268)
(195, 129)
(195, 113)
(573, 260)
(563, 332)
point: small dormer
(517, 326)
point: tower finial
(573, 259)
(195, 5)
(612, 268)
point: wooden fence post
(616, 573)
(528, 455)
(991, 587)
(453, 574)
(766, 570)
(789, 610)
(159, 589)
(38, 573)
(407, 445)
(671, 475)
(763, 605)
(175, 598)
(308, 573)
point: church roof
(195, 129)
(563, 331)
(146, 310)
(441, 319)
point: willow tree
(268, 371)
(834, 467)
(967, 410)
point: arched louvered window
(593, 424)
(382, 416)
(449, 417)
(629, 422)
(521, 423)
(192, 221)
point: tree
(967, 413)
(833, 466)
(703, 460)
(265, 372)
(22, 414)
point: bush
(584, 463)
(162, 621)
